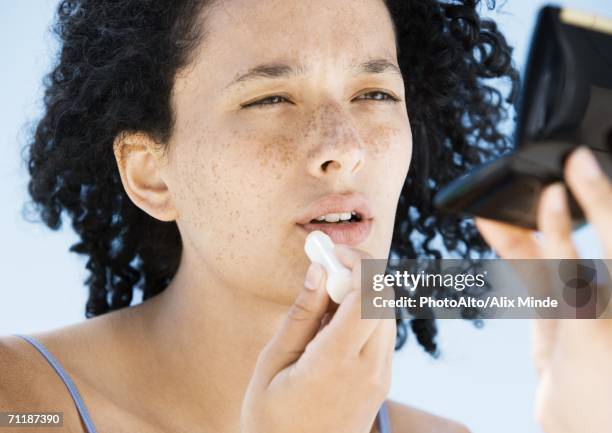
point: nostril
(326, 165)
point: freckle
(381, 139)
(279, 149)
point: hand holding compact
(572, 356)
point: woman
(193, 145)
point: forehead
(245, 32)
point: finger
(380, 345)
(351, 258)
(332, 307)
(554, 221)
(593, 192)
(326, 318)
(299, 327)
(510, 242)
(555, 224)
(377, 353)
(517, 246)
(347, 332)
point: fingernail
(558, 198)
(588, 165)
(313, 276)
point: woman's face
(242, 176)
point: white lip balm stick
(320, 249)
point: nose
(338, 148)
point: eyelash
(260, 103)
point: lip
(336, 203)
(351, 234)
(345, 233)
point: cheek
(382, 140)
(227, 188)
(275, 152)
(390, 152)
(265, 149)
(228, 198)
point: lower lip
(351, 234)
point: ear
(140, 162)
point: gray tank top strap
(384, 424)
(66, 379)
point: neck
(205, 338)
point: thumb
(299, 327)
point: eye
(270, 100)
(378, 95)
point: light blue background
(484, 379)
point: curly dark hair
(116, 69)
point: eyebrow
(281, 70)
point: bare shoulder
(408, 419)
(89, 353)
(27, 380)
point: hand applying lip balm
(320, 249)
(318, 356)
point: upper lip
(337, 203)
